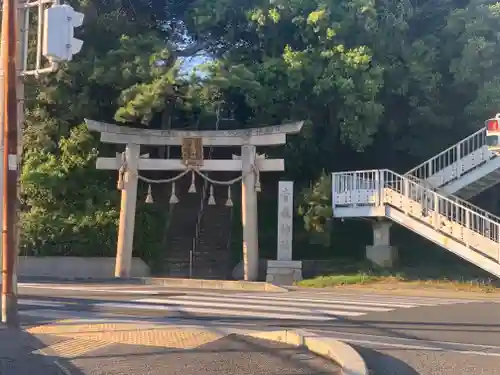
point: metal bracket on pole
(38, 69)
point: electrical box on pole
(59, 43)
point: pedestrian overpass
(429, 199)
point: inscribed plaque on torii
(192, 151)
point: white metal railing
(457, 200)
(445, 215)
(356, 188)
(455, 160)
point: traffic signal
(59, 43)
(493, 134)
(493, 124)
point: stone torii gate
(192, 142)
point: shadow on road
(24, 354)
(232, 354)
(176, 311)
(384, 364)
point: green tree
(70, 208)
(383, 84)
(439, 83)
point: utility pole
(22, 52)
(55, 42)
(22, 47)
(2, 51)
(10, 162)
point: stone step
(215, 226)
(173, 258)
(208, 259)
(210, 228)
(211, 255)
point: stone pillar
(127, 213)
(381, 252)
(284, 271)
(249, 215)
(285, 220)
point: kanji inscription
(285, 220)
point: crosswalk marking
(382, 294)
(345, 301)
(301, 305)
(53, 314)
(251, 304)
(29, 302)
(324, 309)
(399, 302)
(189, 311)
(107, 289)
(289, 307)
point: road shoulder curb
(232, 285)
(348, 359)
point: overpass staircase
(430, 199)
(464, 169)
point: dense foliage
(380, 83)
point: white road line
(251, 304)
(261, 307)
(378, 338)
(382, 296)
(268, 306)
(417, 347)
(373, 300)
(348, 301)
(90, 289)
(225, 312)
(53, 314)
(29, 302)
(309, 301)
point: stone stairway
(181, 229)
(206, 232)
(212, 258)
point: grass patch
(336, 280)
(463, 278)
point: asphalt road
(232, 355)
(412, 336)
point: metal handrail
(375, 188)
(449, 156)
(195, 240)
(482, 214)
(460, 201)
(230, 235)
(376, 179)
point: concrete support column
(127, 213)
(249, 214)
(381, 252)
(382, 233)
